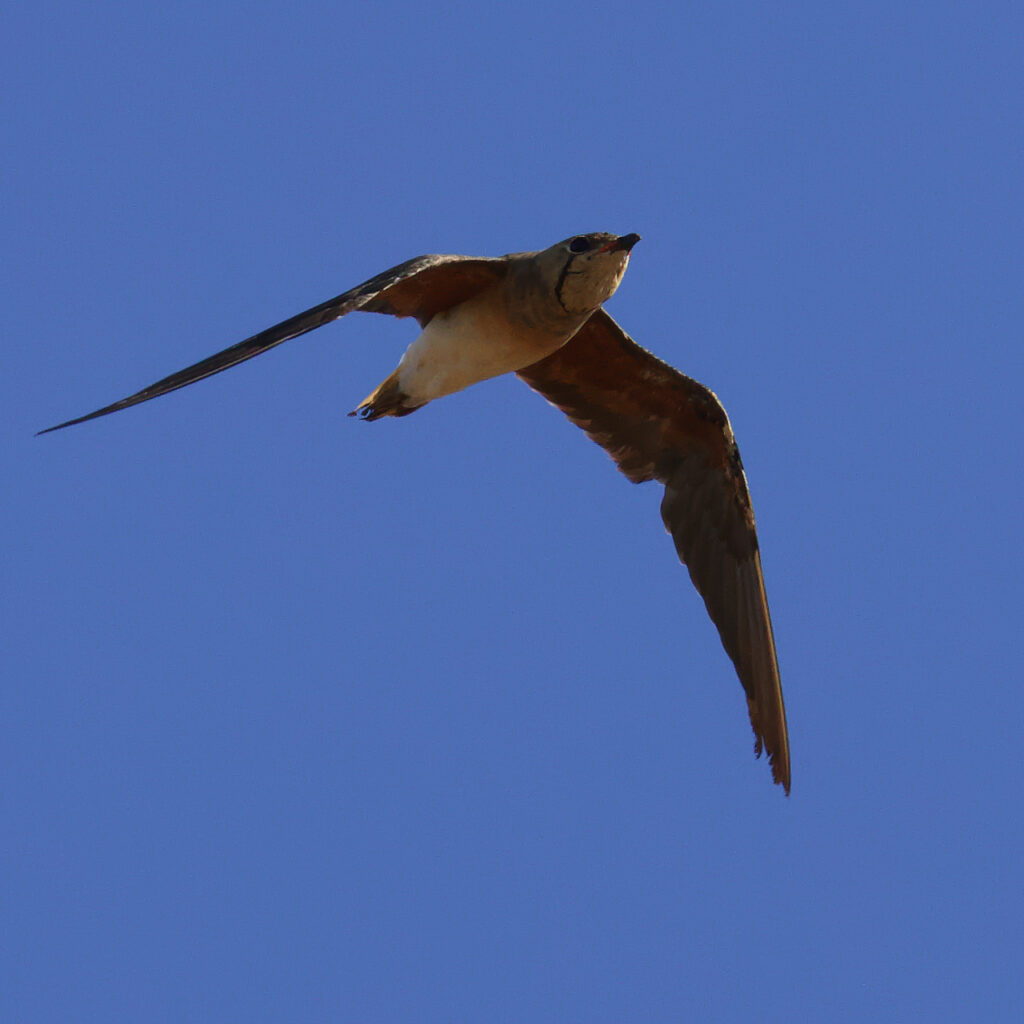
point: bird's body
(526, 314)
(538, 315)
(477, 340)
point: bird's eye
(579, 244)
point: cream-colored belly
(467, 344)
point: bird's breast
(474, 341)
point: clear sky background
(305, 719)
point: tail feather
(387, 399)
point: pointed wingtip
(106, 410)
(60, 426)
(778, 764)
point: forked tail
(387, 399)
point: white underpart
(468, 344)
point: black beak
(625, 242)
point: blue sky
(307, 719)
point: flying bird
(539, 315)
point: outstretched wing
(420, 287)
(658, 424)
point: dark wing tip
(778, 761)
(107, 409)
(232, 356)
(780, 773)
(768, 720)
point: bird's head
(585, 270)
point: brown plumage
(655, 423)
(658, 424)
